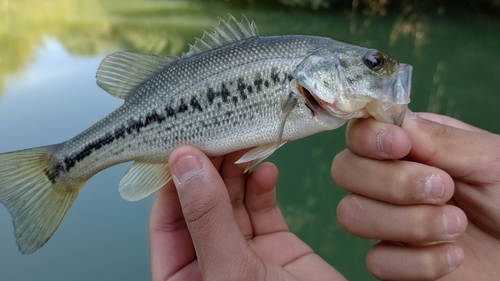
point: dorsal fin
(226, 32)
(121, 72)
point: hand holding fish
(219, 223)
(436, 210)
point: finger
(463, 154)
(171, 246)
(377, 140)
(207, 209)
(391, 262)
(397, 182)
(260, 201)
(235, 178)
(414, 224)
(446, 120)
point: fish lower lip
(399, 119)
(403, 84)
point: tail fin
(36, 199)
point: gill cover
(323, 76)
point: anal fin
(142, 179)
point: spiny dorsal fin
(226, 32)
(121, 72)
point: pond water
(49, 56)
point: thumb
(459, 149)
(220, 247)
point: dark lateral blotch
(195, 104)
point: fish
(232, 90)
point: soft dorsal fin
(226, 32)
(121, 72)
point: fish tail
(34, 194)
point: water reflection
(163, 27)
(455, 73)
(89, 27)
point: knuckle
(263, 209)
(420, 229)
(442, 131)
(200, 211)
(167, 227)
(429, 266)
(398, 191)
(401, 190)
(238, 201)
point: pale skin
(215, 223)
(441, 203)
(218, 223)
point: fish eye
(374, 60)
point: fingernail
(186, 168)
(454, 257)
(434, 187)
(384, 142)
(451, 222)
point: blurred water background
(50, 51)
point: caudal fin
(36, 199)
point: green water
(50, 50)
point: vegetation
(87, 27)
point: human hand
(225, 227)
(419, 206)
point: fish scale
(233, 90)
(243, 97)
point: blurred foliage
(87, 27)
(90, 27)
(24, 23)
(367, 5)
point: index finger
(466, 154)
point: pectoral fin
(258, 154)
(142, 179)
(286, 108)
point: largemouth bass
(232, 90)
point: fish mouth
(310, 101)
(321, 107)
(393, 105)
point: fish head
(355, 83)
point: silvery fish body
(232, 90)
